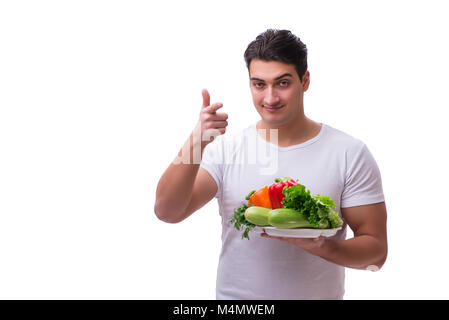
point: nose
(271, 98)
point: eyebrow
(277, 78)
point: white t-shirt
(332, 163)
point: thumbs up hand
(211, 122)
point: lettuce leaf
(317, 209)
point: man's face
(277, 91)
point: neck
(291, 133)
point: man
(327, 161)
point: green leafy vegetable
(317, 209)
(239, 220)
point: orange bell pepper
(260, 198)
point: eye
(258, 84)
(284, 83)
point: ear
(305, 81)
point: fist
(211, 122)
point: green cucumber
(257, 215)
(284, 218)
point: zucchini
(285, 218)
(257, 215)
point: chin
(273, 119)
(275, 122)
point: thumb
(206, 98)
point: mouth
(273, 109)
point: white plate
(297, 233)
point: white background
(97, 97)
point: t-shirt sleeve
(212, 162)
(363, 183)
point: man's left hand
(312, 245)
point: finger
(219, 116)
(206, 98)
(220, 124)
(213, 108)
(215, 124)
(266, 235)
(286, 239)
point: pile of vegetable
(285, 204)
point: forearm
(358, 252)
(175, 187)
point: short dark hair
(278, 45)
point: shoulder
(356, 154)
(343, 140)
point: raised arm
(185, 187)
